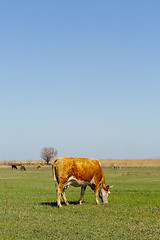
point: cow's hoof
(60, 206)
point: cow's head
(104, 193)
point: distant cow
(39, 166)
(14, 166)
(116, 166)
(22, 168)
(80, 172)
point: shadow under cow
(54, 204)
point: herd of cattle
(23, 167)
(78, 172)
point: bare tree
(48, 154)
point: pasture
(28, 208)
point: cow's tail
(53, 170)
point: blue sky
(80, 76)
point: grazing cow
(22, 168)
(80, 172)
(14, 166)
(116, 166)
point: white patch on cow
(91, 182)
(78, 183)
(99, 163)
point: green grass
(28, 207)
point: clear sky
(80, 76)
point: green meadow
(28, 208)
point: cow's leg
(96, 194)
(59, 191)
(64, 197)
(82, 194)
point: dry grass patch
(131, 162)
(24, 163)
(155, 162)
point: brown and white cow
(80, 172)
(22, 168)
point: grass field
(28, 207)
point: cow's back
(83, 169)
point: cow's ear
(107, 187)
